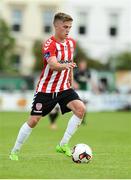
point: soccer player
(54, 86)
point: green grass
(109, 135)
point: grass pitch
(108, 134)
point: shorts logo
(38, 106)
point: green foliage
(92, 63)
(38, 55)
(7, 44)
(121, 61)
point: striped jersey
(50, 80)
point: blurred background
(102, 29)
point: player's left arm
(71, 77)
(72, 81)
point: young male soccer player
(54, 86)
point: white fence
(104, 102)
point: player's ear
(57, 23)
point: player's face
(62, 29)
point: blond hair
(62, 17)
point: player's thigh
(77, 106)
(66, 97)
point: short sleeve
(74, 42)
(48, 49)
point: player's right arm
(55, 65)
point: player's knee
(81, 111)
(32, 122)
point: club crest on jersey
(38, 106)
(47, 55)
(66, 48)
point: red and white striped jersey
(50, 80)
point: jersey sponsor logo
(47, 55)
(38, 106)
(64, 61)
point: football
(81, 153)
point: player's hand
(71, 65)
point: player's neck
(58, 39)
